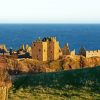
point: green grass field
(81, 84)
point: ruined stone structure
(72, 53)
(39, 50)
(65, 50)
(24, 49)
(91, 53)
(28, 49)
(47, 49)
(3, 48)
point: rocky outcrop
(15, 66)
(69, 62)
(3, 93)
(5, 84)
(92, 62)
(32, 66)
(77, 62)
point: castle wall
(56, 50)
(72, 53)
(46, 50)
(53, 49)
(95, 53)
(29, 49)
(65, 50)
(82, 51)
(50, 50)
(39, 51)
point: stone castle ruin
(91, 53)
(3, 49)
(47, 49)
(66, 50)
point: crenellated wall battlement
(93, 53)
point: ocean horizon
(76, 35)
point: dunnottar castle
(46, 49)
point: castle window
(34, 44)
(51, 51)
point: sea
(76, 35)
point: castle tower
(65, 50)
(27, 46)
(53, 49)
(39, 50)
(82, 51)
(23, 47)
(28, 49)
(47, 49)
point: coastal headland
(45, 55)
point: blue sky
(49, 11)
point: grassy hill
(81, 84)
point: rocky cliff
(5, 84)
(16, 66)
(80, 62)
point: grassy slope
(66, 85)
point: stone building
(28, 49)
(3, 47)
(3, 50)
(39, 50)
(91, 53)
(72, 53)
(65, 50)
(47, 49)
(24, 51)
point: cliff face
(5, 84)
(93, 61)
(71, 62)
(16, 66)
(3, 93)
(29, 65)
(80, 62)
